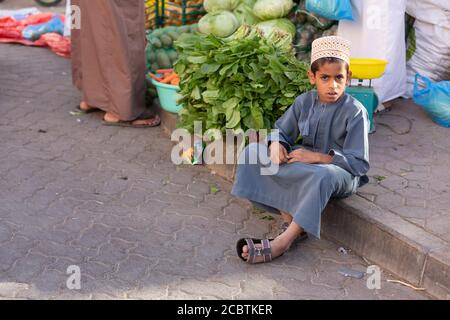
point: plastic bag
(429, 49)
(34, 32)
(331, 9)
(434, 98)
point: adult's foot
(86, 108)
(112, 119)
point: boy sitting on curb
(331, 160)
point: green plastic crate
(369, 100)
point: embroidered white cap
(331, 47)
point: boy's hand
(278, 153)
(306, 156)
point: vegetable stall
(240, 65)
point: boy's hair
(320, 62)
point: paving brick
(25, 269)
(390, 200)
(134, 268)
(393, 182)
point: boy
(331, 161)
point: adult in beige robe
(108, 60)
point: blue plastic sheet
(331, 9)
(34, 32)
(434, 98)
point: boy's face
(330, 81)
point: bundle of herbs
(246, 81)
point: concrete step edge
(391, 242)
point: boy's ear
(311, 77)
(349, 77)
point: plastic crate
(151, 14)
(162, 13)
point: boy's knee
(324, 174)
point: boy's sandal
(264, 251)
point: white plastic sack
(430, 43)
(431, 57)
(431, 11)
(378, 32)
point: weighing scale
(366, 69)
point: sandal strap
(264, 251)
(267, 250)
(251, 250)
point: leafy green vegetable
(272, 9)
(214, 189)
(220, 23)
(280, 25)
(244, 12)
(218, 5)
(241, 82)
(379, 178)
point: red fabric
(36, 19)
(11, 32)
(8, 22)
(24, 42)
(59, 44)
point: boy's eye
(340, 77)
(324, 77)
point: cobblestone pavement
(108, 200)
(410, 168)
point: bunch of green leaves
(246, 81)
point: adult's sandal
(154, 123)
